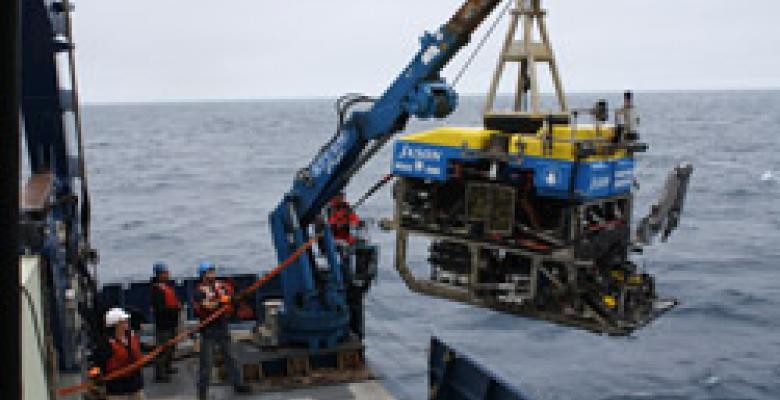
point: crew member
(342, 219)
(120, 349)
(627, 119)
(210, 295)
(166, 307)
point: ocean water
(195, 181)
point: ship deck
(182, 387)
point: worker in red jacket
(211, 294)
(120, 349)
(342, 219)
(167, 307)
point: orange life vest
(122, 355)
(171, 301)
(341, 220)
(212, 293)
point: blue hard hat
(205, 267)
(160, 267)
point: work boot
(242, 389)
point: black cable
(382, 182)
(346, 102)
(349, 96)
(343, 105)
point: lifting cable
(149, 357)
(482, 43)
(382, 182)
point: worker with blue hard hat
(159, 267)
(210, 295)
(205, 267)
(167, 312)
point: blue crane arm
(418, 91)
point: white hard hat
(115, 315)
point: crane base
(284, 367)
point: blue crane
(316, 311)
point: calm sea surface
(196, 181)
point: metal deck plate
(182, 387)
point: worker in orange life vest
(166, 307)
(342, 219)
(120, 349)
(210, 295)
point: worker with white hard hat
(120, 349)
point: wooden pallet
(284, 368)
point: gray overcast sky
(246, 49)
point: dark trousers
(163, 364)
(211, 337)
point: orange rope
(147, 358)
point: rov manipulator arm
(419, 91)
(664, 216)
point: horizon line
(323, 97)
